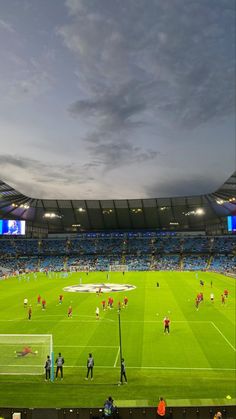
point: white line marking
(20, 373)
(223, 336)
(83, 346)
(117, 355)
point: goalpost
(118, 268)
(25, 354)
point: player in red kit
(43, 304)
(25, 351)
(104, 305)
(166, 323)
(39, 299)
(226, 293)
(125, 301)
(60, 298)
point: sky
(117, 99)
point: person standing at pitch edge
(90, 365)
(123, 372)
(47, 367)
(161, 408)
(59, 364)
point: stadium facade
(206, 212)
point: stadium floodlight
(16, 360)
(51, 215)
(199, 211)
(136, 210)
(107, 211)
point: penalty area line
(117, 356)
(223, 336)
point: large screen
(231, 223)
(12, 227)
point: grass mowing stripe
(223, 336)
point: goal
(118, 268)
(24, 354)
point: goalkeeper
(26, 351)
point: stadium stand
(169, 253)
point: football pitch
(192, 365)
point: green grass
(195, 364)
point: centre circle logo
(96, 287)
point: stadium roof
(72, 216)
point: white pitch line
(83, 346)
(71, 319)
(223, 336)
(117, 356)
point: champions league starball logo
(99, 288)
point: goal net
(118, 268)
(24, 354)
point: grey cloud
(30, 84)
(117, 115)
(23, 163)
(180, 186)
(6, 26)
(41, 173)
(112, 155)
(186, 47)
(113, 110)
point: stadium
(117, 209)
(158, 254)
